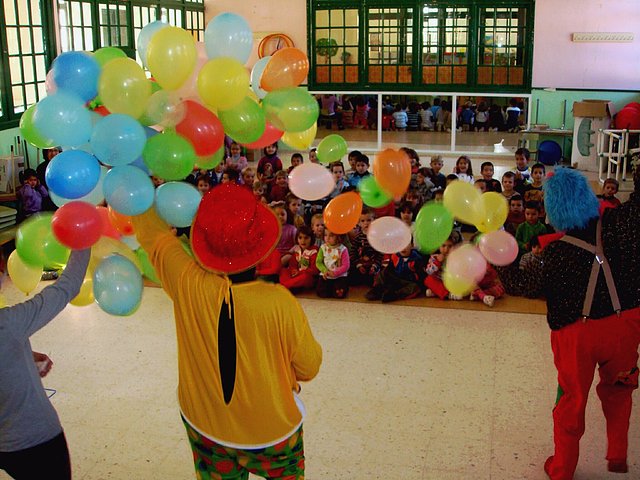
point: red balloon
(107, 228)
(270, 136)
(628, 117)
(77, 225)
(202, 128)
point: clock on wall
(272, 43)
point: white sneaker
(455, 297)
(472, 297)
(429, 293)
(489, 300)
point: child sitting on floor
(365, 260)
(532, 226)
(301, 271)
(333, 263)
(401, 278)
(433, 282)
(489, 288)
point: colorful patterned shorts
(213, 461)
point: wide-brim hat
(233, 231)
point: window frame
(473, 27)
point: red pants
(610, 343)
(436, 285)
(496, 291)
(303, 280)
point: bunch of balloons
(100, 108)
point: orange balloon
(343, 212)
(122, 223)
(288, 67)
(392, 170)
(108, 229)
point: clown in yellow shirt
(243, 344)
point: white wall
(558, 62)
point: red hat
(233, 231)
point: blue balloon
(256, 75)
(72, 174)
(139, 162)
(63, 118)
(177, 203)
(117, 285)
(128, 190)
(144, 37)
(118, 139)
(77, 73)
(228, 35)
(94, 197)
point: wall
(265, 17)
(560, 63)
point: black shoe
(373, 294)
(389, 297)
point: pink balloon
(499, 247)
(189, 89)
(270, 136)
(311, 181)
(466, 262)
(50, 84)
(389, 234)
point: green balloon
(245, 122)
(169, 156)
(433, 226)
(332, 148)
(30, 133)
(106, 54)
(30, 238)
(212, 161)
(291, 109)
(55, 254)
(147, 269)
(371, 193)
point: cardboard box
(594, 109)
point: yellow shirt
(275, 347)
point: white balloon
(311, 181)
(389, 234)
(256, 75)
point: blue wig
(569, 200)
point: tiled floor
(404, 393)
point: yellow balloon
(85, 296)
(24, 276)
(171, 56)
(123, 87)
(223, 83)
(3, 301)
(462, 200)
(457, 285)
(106, 246)
(301, 140)
(493, 208)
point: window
(423, 45)
(27, 35)
(23, 68)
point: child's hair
(524, 152)
(264, 150)
(406, 207)
(232, 174)
(316, 216)
(486, 164)
(257, 184)
(412, 154)
(425, 172)
(246, 170)
(276, 205)
(466, 159)
(362, 158)
(516, 198)
(304, 230)
(290, 197)
(339, 236)
(337, 163)
(532, 205)
(480, 181)
(611, 181)
(29, 172)
(298, 156)
(534, 241)
(540, 166)
(452, 176)
(203, 178)
(509, 174)
(281, 174)
(313, 150)
(236, 144)
(354, 153)
(366, 211)
(436, 158)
